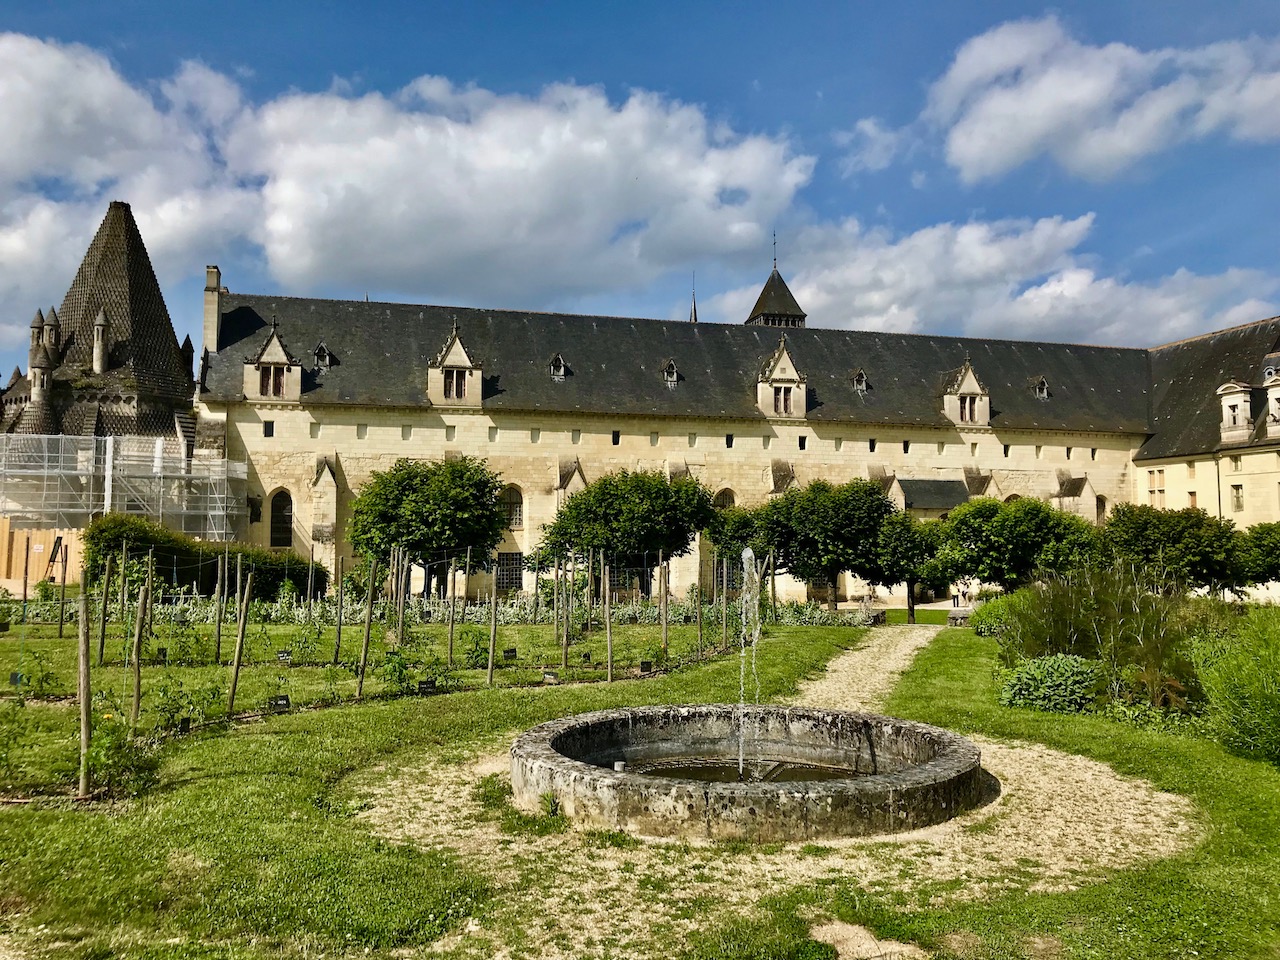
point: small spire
(455, 324)
(51, 318)
(101, 319)
(693, 307)
(775, 249)
(275, 323)
(38, 319)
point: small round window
(1268, 373)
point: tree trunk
(911, 601)
(831, 597)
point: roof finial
(775, 249)
(455, 324)
(274, 323)
(693, 308)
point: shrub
(991, 617)
(1061, 683)
(1240, 675)
(397, 673)
(174, 551)
(120, 764)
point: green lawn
(250, 847)
(1219, 900)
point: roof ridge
(1213, 333)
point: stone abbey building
(313, 395)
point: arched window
(513, 507)
(282, 520)
(725, 498)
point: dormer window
(670, 375)
(1041, 388)
(455, 383)
(558, 369)
(271, 380)
(324, 357)
(860, 382)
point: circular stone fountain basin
(874, 774)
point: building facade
(310, 397)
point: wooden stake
(137, 661)
(453, 604)
(493, 623)
(311, 579)
(124, 583)
(151, 571)
(102, 614)
(698, 606)
(26, 566)
(368, 627)
(591, 590)
(773, 584)
(537, 586)
(663, 573)
(337, 638)
(568, 612)
(218, 610)
(608, 621)
(241, 623)
(724, 604)
(85, 687)
(62, 602)
(240, 597)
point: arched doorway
(282, 519)
(724, 499)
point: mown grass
(1219, 900)
(250, 847)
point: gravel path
(861, 679)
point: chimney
(212, 307)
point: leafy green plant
(1240, 675)
(475, 648)
(120, 764)
(46, 592)
(1061, 683)
(396, 672)
(39, 676)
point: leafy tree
(733, 529)
(628, 516)
(821, 531)
(1261, 552)
(1008, 543)
(1188, 546)
(909, 554)
(429, 507)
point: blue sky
(1102, 172)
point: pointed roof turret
(776, 307)
(37, 322)
(40, 358)
(116, 272)
(17, 376)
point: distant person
(955, 597)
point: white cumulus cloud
(1029, 89)
(1009, 279)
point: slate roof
(933, 494)
(1185, 377)
(116, 276)
(383, 351)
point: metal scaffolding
(64, 482)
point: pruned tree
(1188, 546)
(630, 516)
(1009, 543)
(909, 554)
(429, 508)
(821, 531)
